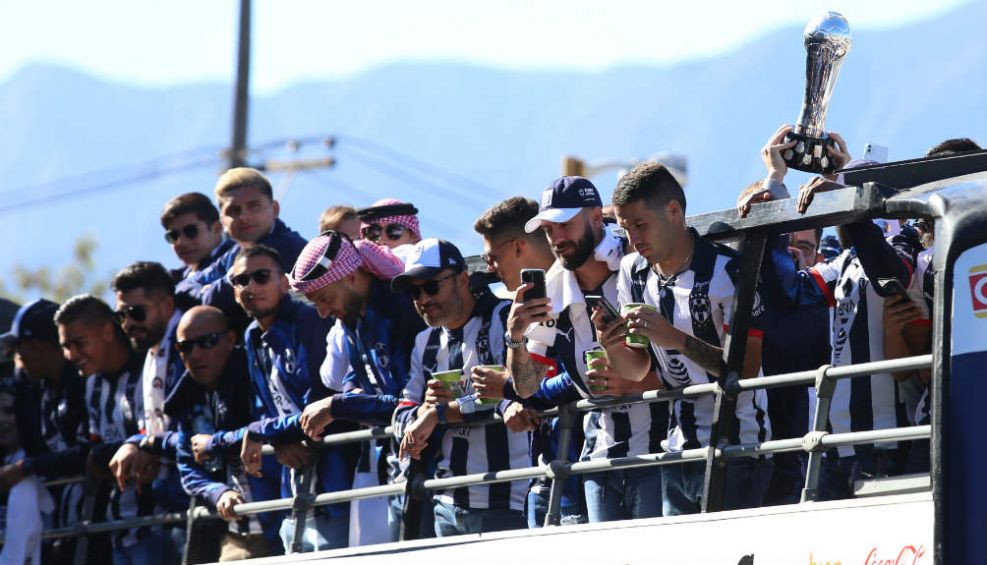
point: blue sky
(181, 41)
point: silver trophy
(827, 41)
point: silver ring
(644, 324)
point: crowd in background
(263, 338)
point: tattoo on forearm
(707, 356)
(525, 374)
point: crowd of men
(172, 390)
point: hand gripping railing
(814, 443)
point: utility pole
(241, 97)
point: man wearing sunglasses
(391, 223)
(210, 403)
(249, 215)
(351, 281)
(192, 228)
(285, 345)
(465, 333)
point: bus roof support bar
(724, 424)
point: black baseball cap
(562, 200)
(427, 259)
(34, 320)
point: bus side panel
(965, 458)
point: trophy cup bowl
(827, 41)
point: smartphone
(876, 153)
(598, 302)
(537, 278)
(890, 287)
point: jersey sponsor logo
(978, 290)
(677, 370)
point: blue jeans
(151, 548)
(321, 533)
(537, 507)
(452, 520)
(623, 494)
(746, 483)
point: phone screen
(609, 312)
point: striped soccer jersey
(922, 292)
(620, 431)
(698, 302)
(116, 411)
(862, 403)
(480, 449)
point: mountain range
(454, 138)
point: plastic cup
(596, 385)
(451, 381)
(493, 368)
(637, 341)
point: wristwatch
(515, 345)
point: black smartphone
(609, 312)
(890, 287)
(537, 278)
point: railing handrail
(813, 442)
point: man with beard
(145, 296)
(285, 345)
(559, 327)
(351, 281)
(465, 334)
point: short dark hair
(649, 181)
(146, 275)
(261, 250)
(190, 203)
(242, 177)
(84, 307)
(953, 146)
(506, 218)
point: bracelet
(515, 345)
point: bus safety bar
(814, 443)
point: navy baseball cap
(562, 200)
(427, 259)
(34, 320)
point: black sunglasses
(190, 231)
(137, 313)
(430, 287)
(260, 276)
(207, 341)
(374, 231)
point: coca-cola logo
(907, 555)
(978, 290)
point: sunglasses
(374, 231)
(491, 258)
(137, 313)
(208, 341)
(260, 276)
(430, 287)
(190, 231)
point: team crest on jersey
(288, 361)
(383, 359)
(699, 306)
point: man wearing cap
(465, 334)
(588, 259)
(392, 223)
(351, 281)
(64, 430)
(285, 344)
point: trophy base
(809, 154)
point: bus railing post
(820, 421)
(553, 515)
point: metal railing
(814, 443)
